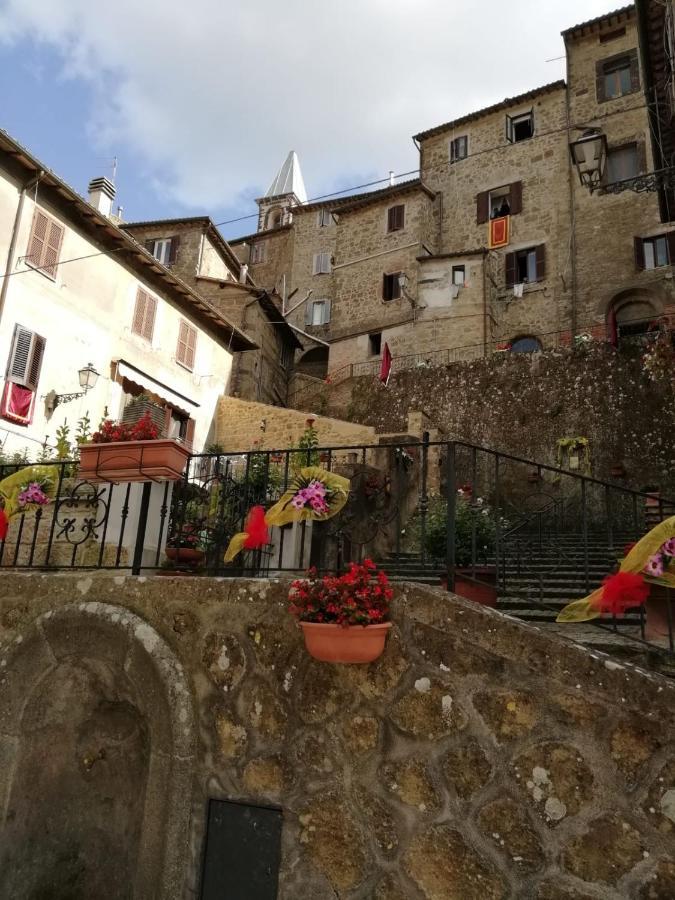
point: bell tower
(286, 191)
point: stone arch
(103, 683)
(274, 217)
(525, 343)
(314, 362)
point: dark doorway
(243, 852)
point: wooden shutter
(308, 312)
(173, 249)
(386, 287)
(187, 342)
(25, 359)
(326, 303)
(52, 249)
(516, 197)
(600, 81)
(192, 347)
(190, 432)
(510, 269)
(38, 238)
(138, 321)
(634, 71)
(150, 246)
(453, 150)
(316, 267)
(540, 256)
(395, 217)
(641, 157)
(639, 252)
(482, 207)
(670, 238)
(509, 129)
(149, 318)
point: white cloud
(212, 94)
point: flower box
(334, 643)
(478, 584)
(157, 460)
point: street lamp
(589, 155)
(88, 377)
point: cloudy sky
(201, 100)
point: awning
(180, 401)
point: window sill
(39, 270)
(184, 366)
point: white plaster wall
(85, 316)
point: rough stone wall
(311, 238)
(523, 403)
(238, 428)
(278, 257)
(478, 758)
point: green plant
(474, 520)
(63, 448)
(308, 443)
(215, 449)
(83, 433)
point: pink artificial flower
(669, 547)
(298, 502)
(654, 566)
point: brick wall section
(477, 758)
(238, 427)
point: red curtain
(17, 404)
(385, 365)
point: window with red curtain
(23, 373)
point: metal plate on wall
(243, 852)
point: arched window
(633, 320)
(275, 217)
(314, 362)
(525, 344)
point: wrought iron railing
(525, 536)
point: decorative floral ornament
(24, 491)
(315, 494)
(649, 561)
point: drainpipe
(570, 183)
(15, 233)
(485, 311)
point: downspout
(15, 234)
(485, 310)
(573, 218)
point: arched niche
(314, 362)
(96, 747)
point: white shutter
(326, 312)
(25, 359)
(308, 313)
(316, 264)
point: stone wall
(523, 403)
(478, 758)
(238, 428)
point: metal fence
(500, 529)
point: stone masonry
(478, 758)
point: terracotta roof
(263, 234)
(107, 233)
(356, 201)
(503, 104)
(477, 251)
(616, 17)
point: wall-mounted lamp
(88, 377)
(589, 155)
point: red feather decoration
(622, 591)
(256, 529)
(4, 525)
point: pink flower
(654, 566)
(298, 502)
(669, 547)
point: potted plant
(186, 546)
(120, 452)
(344, 618)
(475, 534)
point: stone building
(498, 243)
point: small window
(458, 275)
(162, 251)
(321, 264)
(395, 218)
(25, 358)
(319, 312)
(520, 128)
(275, 217)
(324, 218)
(617, 79)
(525, 345)
(655, 252)
(44, 244)
(187, 343)
(375, 343)
(143, 322)
(500, 202)
(622, 163)
(258, 252)
(617, 76)
(459, 148)
(525, 266)
(391, 286)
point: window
(317, 313)
(163, 249)
(187, 342)
(506, 200)
(617, 76)
(458, 274)
(275, 217)
(143, 322)
(525, 345)
(324, 218)
(622, 163)
(44, 243)
(322, 264)
(520, 128)
(375, 343)
(459, 148)
(525, 266)
(391, 286)
(395, 218)
(654, 252)
(25, 358)
(258, 252)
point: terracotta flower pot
(337, 644)
(184, 554)
(160, 460)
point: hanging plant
(574, 447)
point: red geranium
(113, 432)
(359, 597)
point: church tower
(286, 191)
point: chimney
(101, 195)
(392, 177)
(243, 273)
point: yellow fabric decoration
(11, 487)
(635, 561)
(283, 512)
